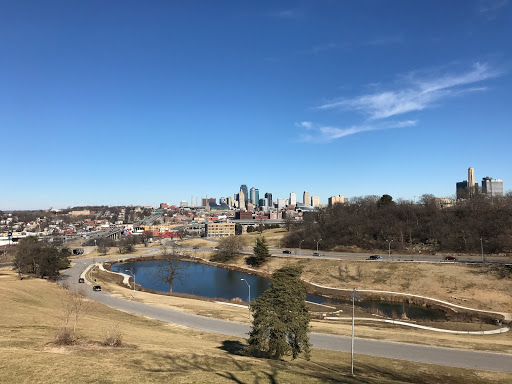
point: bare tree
(74, 307)
(228, 248)
(169, 271)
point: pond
(214, 282)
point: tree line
(373, 222)
(40, 258)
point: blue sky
(130, 102)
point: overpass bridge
(116, 232)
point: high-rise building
(315, 201)
(229, 202)
(281, 203)
(461, 189)
(492, 187)
(241, 200)
(205, 201)
(293, 199)
(243, 188)
(268, 196)
(183, 204)
(471, 181)
(263, 203)
(305, 199)
(336, 200)
(467, 188)
(255, 196)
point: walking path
(394, 350)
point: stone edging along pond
(453, 312)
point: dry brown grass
(155, 352)
(272, 236)
(197, 243)
(473, 286)
(373, 330)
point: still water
(213, 282)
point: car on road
(195, 247)
(375, 257)
(316, 254)
(215, 248)
(450, 258)
(81, 280)
(287, 251)
(96, 288)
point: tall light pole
(389, 248)
(300, 246)
(127, 270)
(482, 250)
(353, 298)
(249, 298)
(317, 241)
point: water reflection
(213, 282)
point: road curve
(402, 351)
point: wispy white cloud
(305, 124)
(489, 8)
(417, 94)
(326, 134)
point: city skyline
(123, 103)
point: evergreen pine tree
(281, 319)
(261, 253)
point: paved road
(307, 253)
(402, 351)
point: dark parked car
(316, 254)
(96, 288)
(375, 257)
(81, 280)
(450, 258)
(195, 247)
(287, 251)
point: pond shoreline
(451, 313)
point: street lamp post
(249, 298)
(300, 246)
(482, 250)
(389, 248)
(317, 241)
(127, 270)
(353, 298)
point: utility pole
(353, 298)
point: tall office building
(293, 199)
(243, 188)
(205, 201)
(229, 202)
(306, 200)
(263, 203)
(315, 201)
(241, 200)
(461, 189)
(471, 181)
(281, 203)
(268, 196)
(467, 188)
(336, 200)
(255, 196)
(492, 187)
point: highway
(394, 350)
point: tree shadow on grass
(233, 347)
